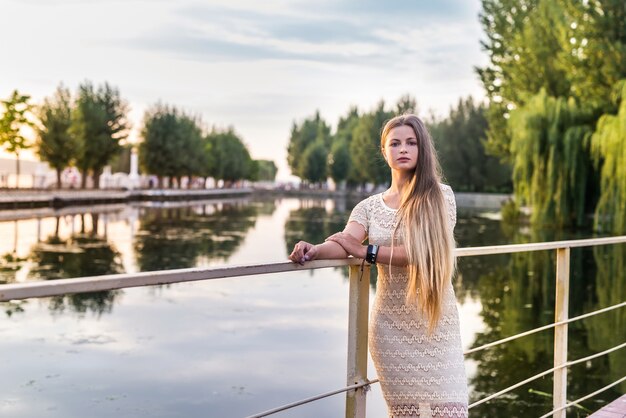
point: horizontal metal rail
(537, 376)
(579, 400)
(40, 289)
(538, 246)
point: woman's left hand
(352, 246)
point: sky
(256, 66)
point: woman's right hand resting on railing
(304, 251)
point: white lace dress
(420, 375)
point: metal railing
(357, 381)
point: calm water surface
(233, 347)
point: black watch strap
(372, 253)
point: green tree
(339, 168)
(339, 162)
(314, 162)
(55, 144)
(173, 145)
(160, 150)
(550, 170)
(99, 123)
(14, 117)
(459, 139)
(609, 152)
(194, 161)
(552, 65)
(266, 170)
(406, 104)
(594, 52)
(302, 136)
(231, 156)
(365, 147)
(502, 22)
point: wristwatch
(372, 253)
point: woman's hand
(303, 251)
(349, 243)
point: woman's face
(400, 148)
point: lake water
(234, 347)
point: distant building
(32, 173)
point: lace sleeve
(448, 195)
(360, 215)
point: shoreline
(11, 199)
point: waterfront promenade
(33, 198)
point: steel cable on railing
(370, 382)
(543, 328)
(311, 399)
(577, 401)
(537, 376)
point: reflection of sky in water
(223, 348)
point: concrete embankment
(28, 198)
(17, 199)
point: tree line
(556, 84)
(350, 153)
(553, 128)
(89, 131)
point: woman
(414, 335)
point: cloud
(336, 33)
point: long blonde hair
(424, 225)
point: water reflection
(315, 220)
(82, 254)
(515, 293)
(181, 237)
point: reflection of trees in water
(83, 254)
(10, 263)
(518, 295)
(313, 223)
(607, 330)
(170, 238)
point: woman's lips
(404, 159)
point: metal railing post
(560, 331)
(357, 340)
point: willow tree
(551, 165)
(548, 81)
(608, 146)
